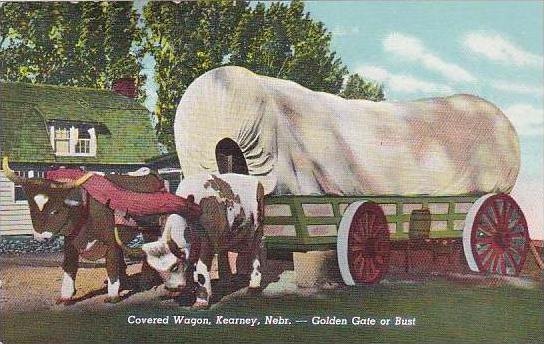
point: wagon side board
(310, 223)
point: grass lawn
(445, 312)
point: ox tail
(260, 204)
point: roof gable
(27, 109)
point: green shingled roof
(124, 131)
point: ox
(232, 208)
(87, 224)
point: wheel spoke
(482, 248)
(515, 255)
(372, 272)
(486, 240)
(509, 262)
(503, 263)
(494, 262)
(363, 267)
(487, 263)
(486, 231)
(358, 259)
(489, 224)
(519, 242)
(485, 253)
(514, 220)
(356, 249)
(490, 217)
(371, 225)
(512, 259)
(507, 213)
(365, 224)
(496, 213)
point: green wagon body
(491, 228)
(311, 222)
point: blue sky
(421, 49)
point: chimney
(125, 87)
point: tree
(358, 88)
(83, 44)
(185, 40)
(191, 38)
(283, 41)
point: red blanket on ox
(133, 203)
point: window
(62, 141)
(83, 145)
(69, 140)
(18, 192)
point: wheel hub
(502, 240)
(369, 248)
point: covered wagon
(358, 176)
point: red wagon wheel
(495, 237)
(363, 244)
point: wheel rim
(499, 236)
(368, 244)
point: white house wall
(14, 216)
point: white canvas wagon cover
(302, 142)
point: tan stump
(316, 268)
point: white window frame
(87, 145)
(29, 174)
(73, 140)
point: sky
(419, 49)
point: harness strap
(85, 216)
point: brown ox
(87, 224)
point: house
(46, 127)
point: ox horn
(174, 248)
(74, 184)
(15, 178)
(129, 251)
(10, 174)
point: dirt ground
(25, 288)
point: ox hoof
(112, 299)
(65, 301)
(200, 304)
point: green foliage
(84, 44)
(191, 38)
(358, 88)
(186, 40)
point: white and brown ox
(87, 209)
(232, 215)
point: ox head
(55, 207)
(169, 255)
